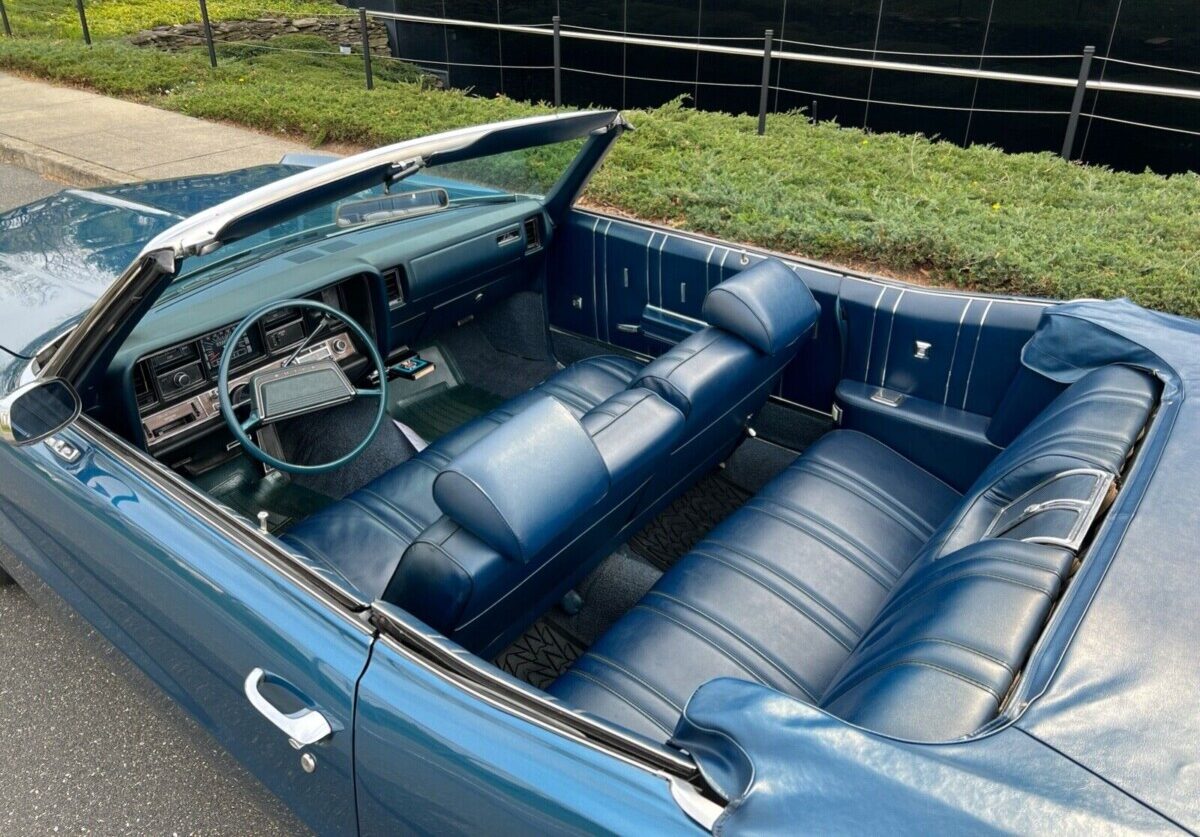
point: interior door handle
(303, 727)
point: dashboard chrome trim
(203, 407)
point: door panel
(194, 611)
(953, 358)
(434, 759)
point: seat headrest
(525, 483)
(767, 305)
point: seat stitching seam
(905, 459)
(407, 517)
(619, 696)
(868, 553)
(722, 651)
(811, 467)
(858, 681)
(907, 601)
(883, 496)
(385, 524)
(787, 599)
(612, 664)
(757, 651)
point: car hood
(58, 254)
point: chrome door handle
(303, 727)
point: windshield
(525, 172)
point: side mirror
(37, 410)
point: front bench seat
(860, 583)
(361, 538)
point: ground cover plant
(904, 205)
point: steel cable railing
(770, 52)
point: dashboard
(175, 388)
(405, 283)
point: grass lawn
(972, 218)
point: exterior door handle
(303, 727)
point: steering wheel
(296, 389)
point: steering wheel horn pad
(299, 388)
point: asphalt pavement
(88, 745)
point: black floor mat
(240, 485)
(539, 655)
(443, 408)
(684, 523)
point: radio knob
(181, 379)
(339, 346)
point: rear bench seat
(467, 534)
(864, 585)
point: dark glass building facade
(1159, 32)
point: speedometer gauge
(211, 346)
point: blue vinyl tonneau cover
(1110, 733)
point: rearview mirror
(390, 207)
(37, 410)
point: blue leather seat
(863, 584)
(362, 537)
(424, 537)
(720, 376)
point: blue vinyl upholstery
(363, 536)
(529, 508)
(768, 306)
(526, 482)
(861, 583)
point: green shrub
(926, 211)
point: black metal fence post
(768, 40)
(366, 46)
(87, 36)
(4, 20)
(1085, 68)
(208, 38)
(557, 62)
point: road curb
(59, 166)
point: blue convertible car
(448, 505)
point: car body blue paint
(186, 600)
(57, 255)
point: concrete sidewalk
(87, 139)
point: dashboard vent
(533, 234)
(141, 388)
(393, 283)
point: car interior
(617, 461)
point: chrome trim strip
(484, 682)
(1087, 509)
(696, 805)
(975, 353)
(871, 337)
(887, 351)
(954, 354)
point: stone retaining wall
(336, 30)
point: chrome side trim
(695, 804)
(1087, 509)
(485, 683)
